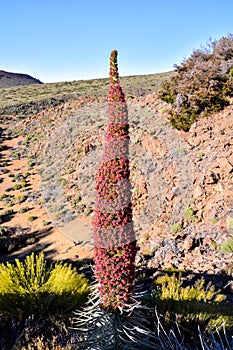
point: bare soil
(49, 239)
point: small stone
(225, 165)
(3, 170)
(197, 192)
(230, 159)
(220, 187)
(187, 244)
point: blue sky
(55, 40)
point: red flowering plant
(114, 237)
(112, 318)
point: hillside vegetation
(34, 98)
(203, 83)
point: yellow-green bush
(171, 288)
(191, 306)
(33, 288)
(227, 247)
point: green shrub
(20, 198)
(17, 176)
(227, 247)
(24, 209)
(202, 84)
(20, 185)
(230, 224)
(171, 289)
(32, 218)
(182, 121)
(3, 196)
(190, 215)
(176, 228)
(231, 73)
(191, 306)
(33, 288)
(8, 199)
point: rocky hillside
(182, 181)
(8, 79)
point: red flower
(114, 238)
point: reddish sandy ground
(53, 243)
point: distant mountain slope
(33, 98)
(8, 79)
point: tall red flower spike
(114, 236)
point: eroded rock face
(210, 148)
